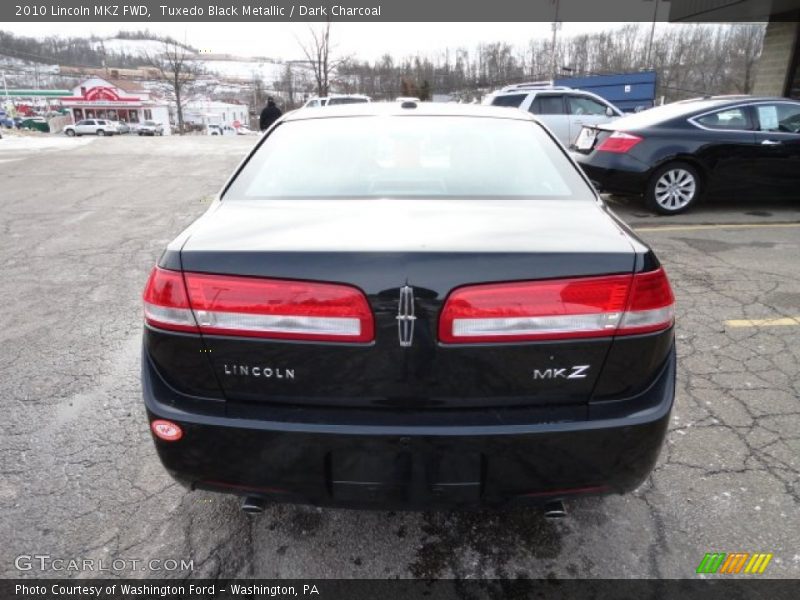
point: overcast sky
(363, 40)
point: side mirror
(610, 112)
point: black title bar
(238, 11)
(713, 588)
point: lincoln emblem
(405, 316)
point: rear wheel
(100, 132)
(673, 188)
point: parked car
(99, 127)
(334, 100)
(150, 128)
(408, 305)
(35, 123)
(564, 110)
(734, 147)
(215, 129)
(122, 127)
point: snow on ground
(131, 47)
(269, 72)
(15, 146)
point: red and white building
(116, 100)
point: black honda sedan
(410, 306)
(732, 147)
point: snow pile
(269, 72)
(15, 143)
(139, 48)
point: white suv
(337, 99)
(92, 127)
(564, 110)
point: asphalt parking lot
(81, 226)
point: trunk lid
(380, 246)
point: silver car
(91, 127)
(150, 128)
(563, 110)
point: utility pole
(555, 26)
(652, 33)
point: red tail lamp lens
(558, 309)
(619, 142)
(257, 307)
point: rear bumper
(614, 173)
(514, 457)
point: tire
(674, 188)
(70, 132)
(100, 132)
(140, 134)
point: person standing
(269, 115)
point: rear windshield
(659, 114)
(511, 100)
(333, 101)
(397, 157)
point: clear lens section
(269, 325)
(163, 315)
(596, 324)
(641, 321)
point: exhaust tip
(555, 510)
(253, 505)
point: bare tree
(177, 69)
(318, 52)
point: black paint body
(733, 164)
(380, 425)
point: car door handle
(771, 143)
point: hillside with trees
(690, 60)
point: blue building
(627, 91)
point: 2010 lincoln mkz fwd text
(408, 306)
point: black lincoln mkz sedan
(408, 306)
(733, 147)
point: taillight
(166, 304)
(558, 309)
(619, 142)
(651, 306)
(264, 308)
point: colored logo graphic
(736, 562)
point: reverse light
(166, 430)
(558, 309)
(265, 308)
(619, 142)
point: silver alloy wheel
(675, 189)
